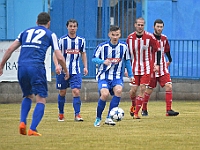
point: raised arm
(16, 44)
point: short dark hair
(43, 18)
(158, 21)
(140, 18)
(114, 28)
(73, 21)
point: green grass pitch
(155, 132)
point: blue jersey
(34, 44)
(71, 49)
(116, 54)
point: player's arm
(169, 58)
(84, 59)
(156, 47)
(129, 68)
(62, 62)
(96, 58)
(58, 55)
(97, 61)
(156, 67)
(167, 52)
(16, 44)
(57, 66)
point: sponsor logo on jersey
(72, 51)
(114, 60)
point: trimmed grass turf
(153, 132)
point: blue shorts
(109, 84)
(74, 81)
(33, 81)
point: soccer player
(142, 46)
(72, 47)
(34, 43)
(163, 75)
(111, 56)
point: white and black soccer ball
(116, 114)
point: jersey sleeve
(83, 46)
(155, 44)
(19, 37)
(54, 43)
(60, 43)
(127, 53)
(97, 52)
(167, 47)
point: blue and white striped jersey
(71, 49)
(116, 54)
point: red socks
(168, 99)
(145, 101)
(133, 99)
(138, 104)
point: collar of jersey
(113, 46)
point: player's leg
(39, 88)
(75, 84)
(148, 91)
(37, 115)
(144, 80)
(139, 100)
(116, 92)
(61, 85)
(25, 85)
(104, 93)
(132, 92)
(77, 104)
(146, 100)
(61, 104)
(165, 81)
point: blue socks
(25, 108)
(37, 115)
(77, 105)
(114, 103)
(61, 103)
(100, 107)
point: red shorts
(162, 80)
(141, 79)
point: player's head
(158, 26)
(139, 25)
(72, 26)
(44, 19)
(114, 34)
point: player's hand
(58, 69)
(1, 71)
(168, 63)
(107, 62)
(126, 73)
(66, 75)
(85, 71)
(156, 68)
(132, 80)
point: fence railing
(185, 58)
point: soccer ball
(116, 114)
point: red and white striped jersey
(164, 46)
(142, 52)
